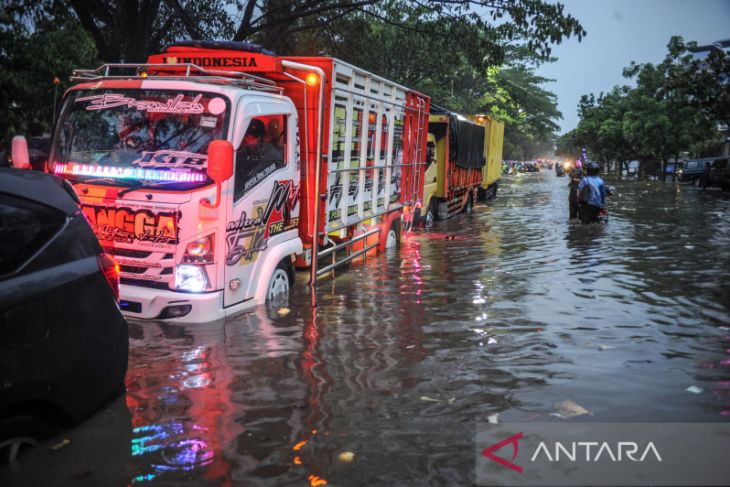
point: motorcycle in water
(602, 217)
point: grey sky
(621, 31)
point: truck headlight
(190, 278)
(200, 251)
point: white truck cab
(209, 171)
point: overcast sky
(621, 31)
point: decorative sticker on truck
(170, 105)
(335, 196)
(248, 236)
(133, 223)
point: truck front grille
(143, 283)
(144, 268)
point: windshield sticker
(216, 106)
(173, 105)
(169, 158)
(208, 122)
(126, 225)
(258, 177)
(246, 237)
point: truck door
(263, 210)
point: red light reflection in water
(413, 256)
(178, 404)
(722, 389)
(316, 376)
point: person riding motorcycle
(576, 175)
(591, 194)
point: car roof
(38, 187)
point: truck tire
(432, 212)
(281, 280)
(392, 238)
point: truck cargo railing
(350, 255)
(420, 114)
(178, 72)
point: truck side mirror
(21, 159)
(220, 167)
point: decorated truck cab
(212, 170)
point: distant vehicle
(691, 170)
(720, 172)
(632, 169)
(63, 341)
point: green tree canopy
(664, 114)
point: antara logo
(575, 451)
(578, 450)
(514, 441)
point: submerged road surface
(498, 316)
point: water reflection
(506, 312)
(178, 391)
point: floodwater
(505, 312)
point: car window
(691, 164)
(720, 163)
(25, 227)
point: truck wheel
(278, 291)
(392, 237)
(431, 213)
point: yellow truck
(493, 144)
(456, 156)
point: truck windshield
(138, 137)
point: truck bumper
(143, 303)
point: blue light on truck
(116, 172)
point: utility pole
(56, 83)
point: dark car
(720, 172)
(692, 170)
(63, 340)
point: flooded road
(499, 315)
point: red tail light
(111, 271)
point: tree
(516, 96)
(128, 31)
(655, 120)
(33, 52)
(704, 81)
(276, 24)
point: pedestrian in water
(576, 175)
(591, 194)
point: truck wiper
(93, 179)
(142, 185)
